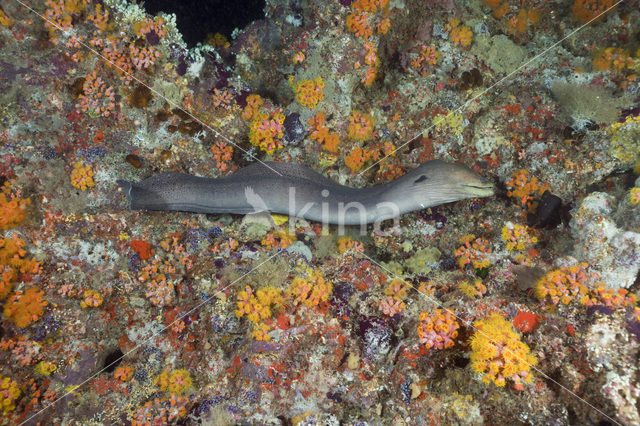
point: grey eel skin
(299, 191)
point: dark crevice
(198, 18)
(112, 360)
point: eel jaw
(478, 190)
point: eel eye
(420, 179)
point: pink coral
(438, 329)
(390, 306)
(96, 98)
(143, 56)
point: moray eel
(299, 191)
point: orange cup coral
(25, 308)
(498, 353)
(360, 126)
(12, 208)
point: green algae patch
(259, 272)
(499, 52)
(420, 262)
(326, 245)
(589, 103)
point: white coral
(611, 251)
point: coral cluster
(498, 353)
(320, 133)
(517, 237)
(460, 34)
(474, 251)
(82, 176)
(589, 10)
(25, 307)
(438, 329)
(258, 306)
(564, 285)
(311, 288)
(9, 393)
(175, 382)
(360, 126)
(309, 92)
(395, 291)
(266, 131)
(12, 208)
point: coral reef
(520, 308)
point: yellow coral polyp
(278, 239)
(519, 23)
(261, 332)
(310, 290)
(461, 35)
(473, 251)
(564, 285)
(320, 132)
(634, 195)
(254, 102)
(176, 382)
(524, 188)
(427, 55)
(611, 297)
(612, 58)
(355, 159)
(92, 299)
(346, 243)
(587, 11)
(123, 373)
(45, 368)
(517, 237)
(82, 176)
(624, 140)
(498, 353)
(310, 92)
(266, 131)
(74, 6)
(438, 330)
(9, 394)
(5, 21)
(472, 291)
(397, 288)
(258, 306)
(358, 24)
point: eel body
(299, 191)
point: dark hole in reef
(286, 421)
(501, 190)
(198, 18)
(636, 284)
(112, 360)
(461, 361)
(571, 415)
(553, 380)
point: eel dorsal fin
(291, 170)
